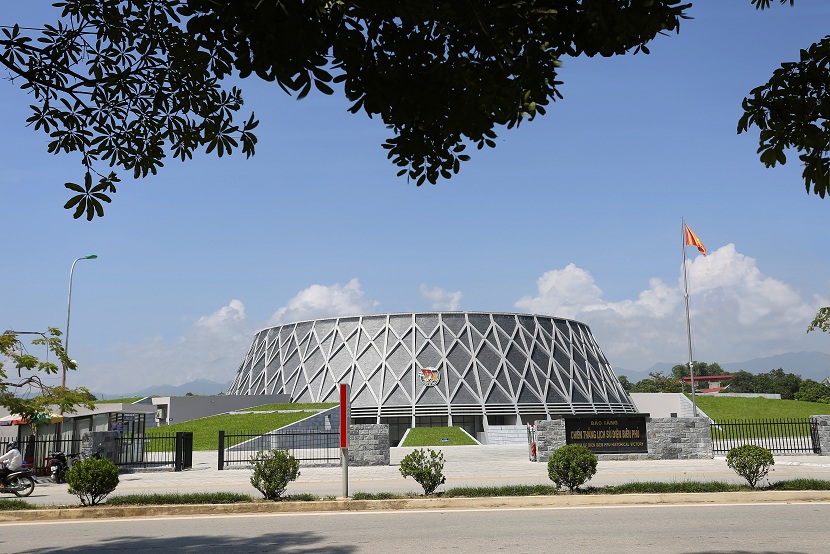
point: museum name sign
(608, 433)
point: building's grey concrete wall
(369, 445)
(324, 420)
(668, 438)
(506, 434)
(822, 423)
(664, 404)
(187, 408)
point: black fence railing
(310, 446)
(132, 451)
(780, 436)
(36, 451)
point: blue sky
(576, 214)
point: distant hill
(199, 386)
(810, 365)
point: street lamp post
(68, 310)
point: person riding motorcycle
(12, 461)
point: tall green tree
(742, 381)
(813, 391)
(701, 368)
(625, 383)
(657, 382)
(792, 111)
(125, 84)
(24, 391)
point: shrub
(273, 470)
(572, 465)
(92, 480)
(750, 461)
(427, 471)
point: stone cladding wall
(669, 438)
(369, 444)
(823, 428)
(679, 438)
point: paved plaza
(464, 466)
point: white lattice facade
(452, 368)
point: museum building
(474, 370)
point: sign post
(345, 419)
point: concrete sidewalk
(464, 466)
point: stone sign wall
(822, 426)
(668, 438)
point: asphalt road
(733, 529)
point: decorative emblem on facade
(430, 376)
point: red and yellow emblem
(430, 376)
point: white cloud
(214, 346)
(738, 313)
(441, 299)
(318, 301)
(211, 349)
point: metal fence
(133, 451)
(779, 436)
(310, 446)
(36, 451)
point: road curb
(432, 503)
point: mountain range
(198, 386)
(810, 365)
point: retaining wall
(823, 432)
(669, 438)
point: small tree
(750, 461)
(273, 470)
(572, 466)
(23, 390)
(427, 471)
(92, 480)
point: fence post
(177, 460)
(221, 450)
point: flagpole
(688, 320)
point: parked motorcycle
(60, 464)
(19, 483)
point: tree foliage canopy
(701, 369)
(792, 110)
(23, 390)
(127, 83)
(821, 321)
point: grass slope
(298, 406)
(206, 430)
(724, 407)
(432, 436)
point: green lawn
(724, 407)
(433, 436)
(126, 400)
(206, 430)
(300, 406)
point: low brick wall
(669, 438)
(685, 438)
(822, 423)
(369, 445)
